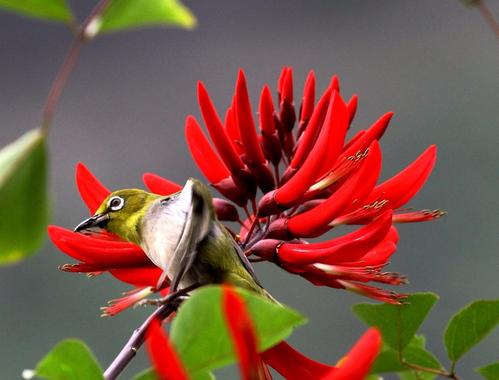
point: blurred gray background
(435, 63)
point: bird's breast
(161, 232)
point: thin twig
(138, 337)
(68, 65)
(128, 352)
(435, 371)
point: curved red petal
(307, 105)
(399, 189)
(163, 356)
(315, 125)
(90, 249)
(293, 365)
(139, 276)
(202, 152)
(335, 83)
(92, 191)
(364, 138)
(352, 107)
(297, 185)
(231, 129)
(159, 185)
(350, 247)
(357, 363)
(217, 132)
(225, 210)
(315, 221)
(243, 335)
(245, 123)
(266, 111)
(377, 256)
(338, 119)
(287, 86)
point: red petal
(399, 189)
(231, 129)
(358, 361)
(225, 210)
(308, 97)
(378, 256)
(91, 190)
(350, 247)
(364, 138)
(244, 117)
(129, 299)
(338, 118)
(243, 335)
(224, 146)
(418, 216)
(202, 152)
(93, 250)
(335, 83)
(163, 356)
(266, 111)
(280, 81)
(159, 185)
(315, 221)
(297, 185)
(352, 108)
(293, 365)
(139, 276)
(313, 130)
(287, 86)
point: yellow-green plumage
(179, 231)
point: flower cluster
(290, 185)
(253, 366)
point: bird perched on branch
(180, 234)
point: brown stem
(68, 65)
(138, 337)
(488, 16)
(438, 372)
(170, 304)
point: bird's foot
(176, 297)
(162, 301)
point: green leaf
(469, 326)
(200, 335)
(70, 359)
(23, 197)
(149, 374)
(490, 372)
(127, 14)
(397, 323)
(54, 10)
(415, 353)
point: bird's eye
(116, 203)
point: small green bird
(180, 234)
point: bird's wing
(195, 230)
(247, 265)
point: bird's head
(120, 213)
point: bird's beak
(98, 220)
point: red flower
(319, 180)
(293, 365)
(311, 181)
(243, 335)
(166, 362)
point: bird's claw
(161, 301)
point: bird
(180, 234)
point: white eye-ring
(116, 203)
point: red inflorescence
(283, 187)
